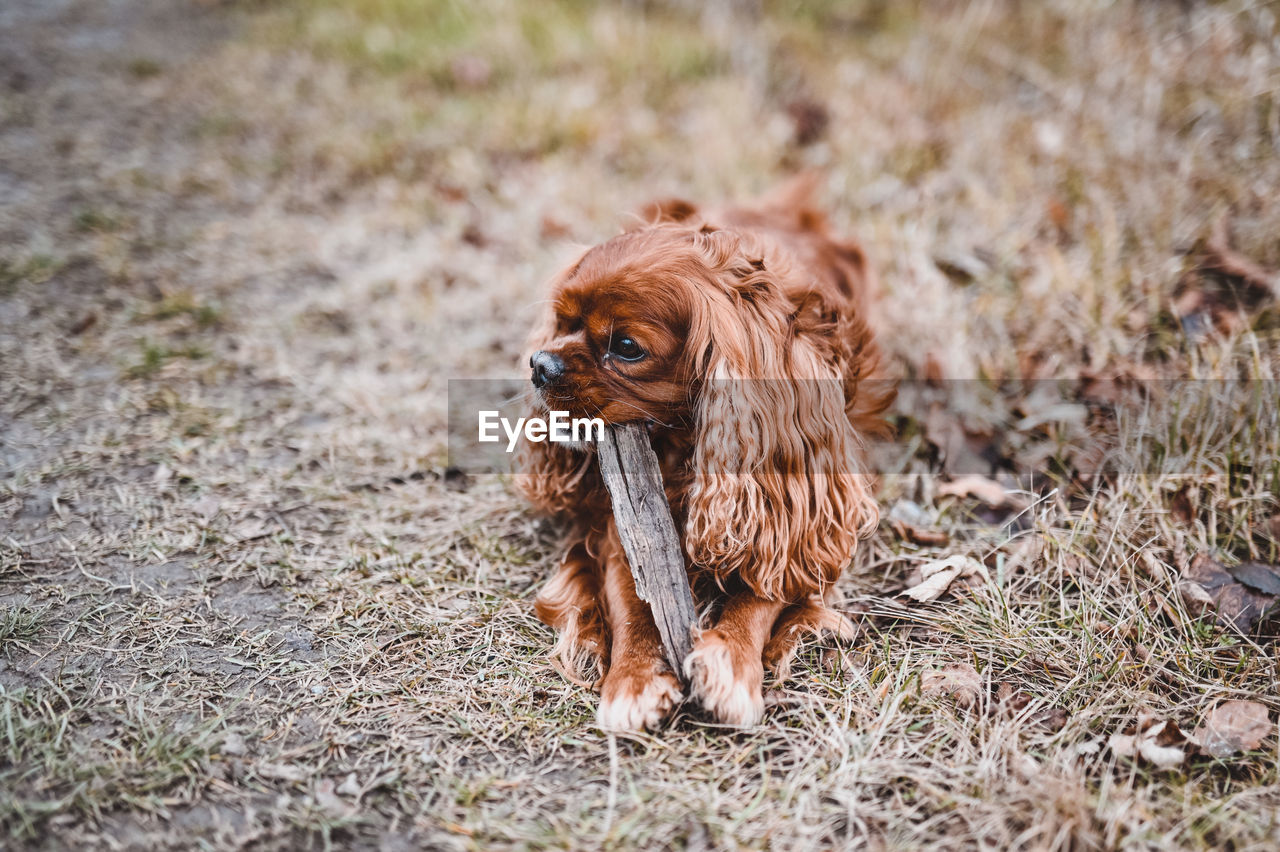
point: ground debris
(1223, 287)
(909, 522)
(1013, 701)
(1233, 726)
(1241, 597)
(1161, 743)
(935, 578)
(980, 488)
(959, 682)
(962, 684)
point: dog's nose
(547, 368)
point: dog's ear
(777, 495)
(667, 210)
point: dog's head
(690, 326)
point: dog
(741, 336)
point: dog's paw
(729, 687)
(633, 700)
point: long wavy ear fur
(777, 497)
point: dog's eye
(626, 349)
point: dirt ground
(246, 603)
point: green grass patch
(34, 269)
(154, 356)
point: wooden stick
(631, 473)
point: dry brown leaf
(1234, 726)
(1223, 288)
(1181, 507)
(933, 372)
(959, 682)
(979, 487)
(937, 576)
(1162, 744)
(1239, 596)
(810, 120)
(919, 535)
(1220, 257)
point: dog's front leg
(639, 690)
(725, 669)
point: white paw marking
(637, 710)
(733, 698)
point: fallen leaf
(979, 487)
(1273, 527)
(959, 682)
(1023, 553)
(909, 512)
(1059, 214)
(1088, 748)
(1196, 599)
(839, 662)
(1220, 257)
(1255, 575)
(1222, 288)
(938, 575)
(809, 120)
(251, 529)
(1238, 596)
(1059, 413)
(1181, 508)
(933, 372)
(919, 535)
(961, 265)
(1162, 744)
(1121, 382)
(456, 479)
(1234, 726)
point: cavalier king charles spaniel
(741, 337)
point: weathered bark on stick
(631, 473)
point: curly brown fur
(742, 338)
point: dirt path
(202, 412)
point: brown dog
(740, 336)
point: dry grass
(246, 607)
